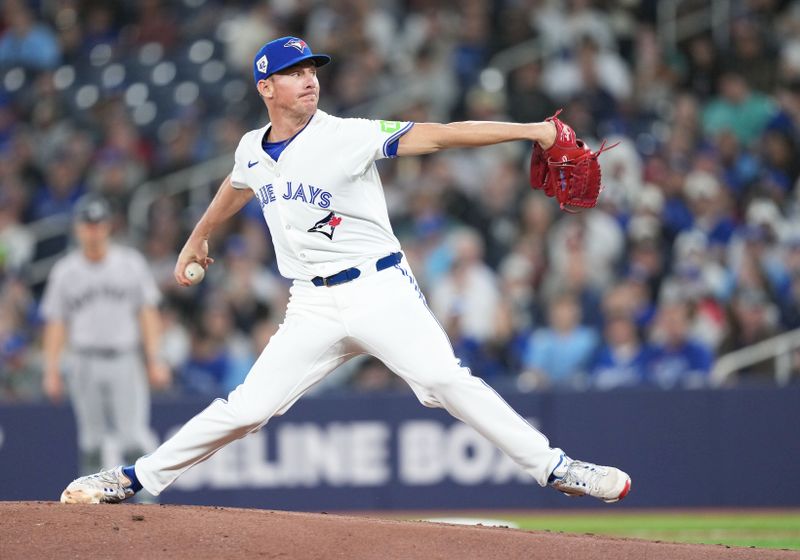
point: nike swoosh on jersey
(251, 163)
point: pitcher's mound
(129, 531)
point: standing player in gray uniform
(315, 178)
(100, 305)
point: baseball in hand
(194, 272)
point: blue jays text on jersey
(308, 194)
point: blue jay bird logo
(299, 44)
(326, 225)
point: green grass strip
(763, 530)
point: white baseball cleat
(111, 487)
(578, 478)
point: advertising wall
(725, 448)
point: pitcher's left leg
(397, 328)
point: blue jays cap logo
(326, 225)
(299, 44)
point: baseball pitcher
(314, 176)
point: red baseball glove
(568, 170)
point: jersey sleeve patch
(390, 127)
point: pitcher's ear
(265, 88)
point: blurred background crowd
(693, 252)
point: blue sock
(130, 472)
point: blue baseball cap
(282, 53)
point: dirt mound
(131, 531)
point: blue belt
(349, 274)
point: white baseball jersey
(323, 199)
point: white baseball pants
(381, 313)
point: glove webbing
(580, 171)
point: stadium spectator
(16, 241)
(703, 68)
(26, 42)
(738, 108)
(526, 100)
(372, 376)
(216, 352)
(752, 55)
(559, 355)
(790, 303)
(251, 290)
(709, 206)
(780, 168)
(622, 359)
(155, 23)
(99, 27)
(466, 299)
(20, 374)
(242, 359)
(678, 360)
(593, 237)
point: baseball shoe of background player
(111, 487)
(578, 478)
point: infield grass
(746, 528)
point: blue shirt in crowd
(561, 356)
(686, 365)
(611, 369)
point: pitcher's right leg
(301, 353)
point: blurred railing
(42, 230)
(778, 348)
(200, 180)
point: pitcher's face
(293, 90)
